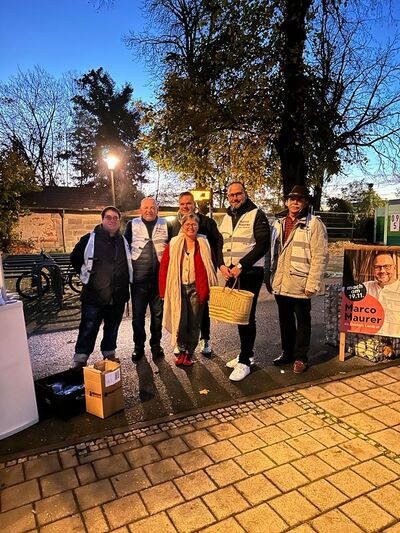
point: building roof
(67, 198)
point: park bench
(15, 265)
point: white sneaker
(233, 362)
(239, 372)
(205, 347)
(176, 350)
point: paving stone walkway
(321, 459)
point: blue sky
(72, 35)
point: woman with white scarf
(186, 274)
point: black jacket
(262, 235)
(109, 279)
(207, 227)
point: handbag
(230, 305)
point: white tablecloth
(18, 408)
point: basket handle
(233, 286)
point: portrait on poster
(371, 290)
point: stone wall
(45, 230)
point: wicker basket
(230, 305)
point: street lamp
(112, 161)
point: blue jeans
(91, 318)
(143, 295)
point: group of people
(170, 268)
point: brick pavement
(321, 459)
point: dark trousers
(189, 324)
(91, 318)
(295, 325)
(143, 295)
(205, 323)
(251, 280)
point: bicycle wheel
(74, 282)
(27, 284)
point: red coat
(200, 274)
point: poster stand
(371, 293)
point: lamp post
(112, 161)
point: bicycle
(46, 274)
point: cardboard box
(103, 388)
(61, 394)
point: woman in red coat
(186, 274)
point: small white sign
(395, 222)
(112, 377)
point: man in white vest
(102, 259)
(293, 273)
(148, 237)
(246, 237)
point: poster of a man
(371, 295)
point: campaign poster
(371, 290)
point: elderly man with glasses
(103, 261)
(293, 273)
(246, 237)
(386, 289)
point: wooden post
(342, 345)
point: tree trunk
(290, 143)
(317, 197)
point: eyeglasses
(383, 267)
(187, 226)
(110, 217)
(235, 194)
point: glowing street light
(112, 162)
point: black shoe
(137, 356)
(157, 352)
(283, 359)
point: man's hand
(235, 272)
(225, 271)
(309, 293)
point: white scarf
(172, 297)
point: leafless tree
(355, 83)
(34, 120)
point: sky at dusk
(72, 35)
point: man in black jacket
(102, 259)
(246, 238)
(207, 227)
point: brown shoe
(299, 367)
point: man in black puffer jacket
(102, 260)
